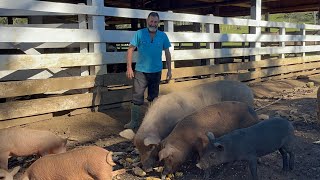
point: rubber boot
(135, 117)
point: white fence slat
(51, 8)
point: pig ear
(219, 146)
(15, 170)
(109, 159)
(210, 136)
(164, 153)
(151, 141)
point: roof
(224, 8)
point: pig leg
(253, 167)
(288, 148)
(284, 159)
(291, 160)
(4, 160)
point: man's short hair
(154, 14)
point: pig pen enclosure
(62, 68)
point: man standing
(150, 43)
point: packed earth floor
(294, 99)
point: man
(150, 43)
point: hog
(189, 134)
(25, 142)
(168, 110)
(5, 175)
(90, 162)
(250, 143)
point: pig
(91, 162)
(25, 142)
(189, 134)
(165, 112)
(5, 175)
(250, 143)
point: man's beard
(152, 29)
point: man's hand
(130, 73)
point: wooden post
(266, 18)
(84, 71)
(210, 29)
(97, 23)
(169, 27)
(256, 15)
(303, 33)
(282, 44)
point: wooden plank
(29, 87)
(50, 8)
(40, 45)
(18, 75)
(19, 62)
(221, 68)
(235, 52)
(32, 107)
(17, 34)
(25, 120)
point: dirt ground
(298, 104)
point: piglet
(91, 162)
(6, 175)
(250, 143)
(25, 142)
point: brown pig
(189, 135)
(90, 162)
(25, 142)
(168, 110)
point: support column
(210, 29)
(84, 70)
(303, 33)
(282, 44)
(97, 23)
(256, 15)
(169, 27)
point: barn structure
(68, 56)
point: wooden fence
(52, 65)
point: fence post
(84, 70)
(282, 43)
(256, 15)
(210, 29)
(303, 43)
(169, 27)
(97, 23)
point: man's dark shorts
(141, 81)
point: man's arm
(130, 51)
(168, 62)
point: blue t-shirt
(150, 52)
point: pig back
(23, 141)
(73, 164)
(219, 118)
(225, 90)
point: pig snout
(148, 164)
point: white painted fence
(69, 75)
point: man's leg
(139, 86)
(153, 85)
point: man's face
(152, 23)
